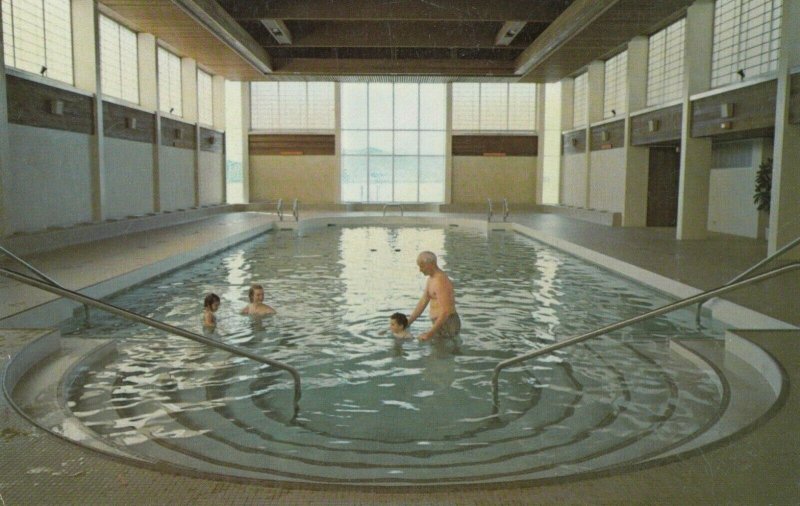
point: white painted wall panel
(607, 180)
(211, 167)
(129, 178)
(573, 180)
(730, 202)
(176, 176)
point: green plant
(761, 198)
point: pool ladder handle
(136, 317)
(636, 319)
(491, 210)
(41, 275)
(296, 210)
(744, 274)
(385, 206)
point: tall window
(205, 98)
(37, 37)
(746, 39)
(119, 61)
(665, 64)
(393, 142)
(287, 105)
(494, 106)
(615, 101)
(579, 97)
(169, 83)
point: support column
(246, 141)
(540, 142)
(148, 98)
(784, 216)
(634, 211)
(448, 153)
(567, 123)
(5, 156)
(595, 88)
(695, 169)
(189, 108)
(218, 121)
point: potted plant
(761, 198)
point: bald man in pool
(439, 292)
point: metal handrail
(636, 319)
(296, 210)
(778, 253)
(136, 317)
(491, 211)
(41, 275)
(279, 208)
(393, 205)
(505, 209)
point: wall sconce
(605, 136)
(653, 125)
(726, 110)
(725, 125)
(212, 140)
(574, 142)
(57, 107)
(130, 123)
(178, 134)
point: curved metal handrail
(279, 208)
(42, 275)
(136, 317)
(636, 319)
(771, 257)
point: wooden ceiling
(453, 39)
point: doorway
(662, 186)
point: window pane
(433, 106)
(406, 102)
(521, 106)
(354, 105)
(380, 105)
(380, 142)
(354, 178)
(380, 178)
(321, 107)
(354, 142)
(264, 106)
(494, 106)
(466, 106)
(292, 105)
(205, 104)
(406, 178)
(432, 142)
(431, 178)
(406, 143)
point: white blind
(119, 62)
(665, 64)
(205, 98)
(746, 39)
(169, 83)
(494, 106)
(615, 99)
(288, 105)
(579, 97)
(37, 37)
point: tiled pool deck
(759, 467)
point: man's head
(256, 293)
(426, 261)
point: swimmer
(439, 292)
(257, 306)
(210, 306)
(398, 325)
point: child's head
(254, 291)
(211, 301)
(398, 322)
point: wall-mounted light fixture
(178, 134)
(57, 107)
(212, 139)
(130, 123)
(605, 135)
(278, 30)
(507, 32)
(726, 110)
(574, 142)
(725, 125)
(653, 125)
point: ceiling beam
(398, 10)
(327, 66)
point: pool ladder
(386, 206)
(491, 210)
(48, 285)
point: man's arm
(421, 305)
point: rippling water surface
(334, 291)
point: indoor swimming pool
(380, 411)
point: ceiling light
(278, 30)
(508, 31)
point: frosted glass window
(579, 98)
(746, 39)
(614, 90)
(494, 106)
(205, 98)
(292, 105)
(393, 142)
(665, 64)
(37, 37)
(170, 96)
(119, 60)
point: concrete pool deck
(759, 467)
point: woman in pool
(257, 306)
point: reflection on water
(334, 291)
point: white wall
(50, 180)
(211, 177)
(476, 178)
(128, 178)
(573, 180)
(607, 180)
(176, 178)
(730, 202)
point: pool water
(375, 409)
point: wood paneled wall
(264, 144)
(498, 145)
(122, 122)
(751, 109)
(573, 142)
(614, 133)
(655, 127)
(177, 134)
(794, 101)
(211, 140)
(35, 104)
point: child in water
(210, 306)
(398, 325)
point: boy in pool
(257, 306)
(398, 325)
(210, 306)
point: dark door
(662, 187)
